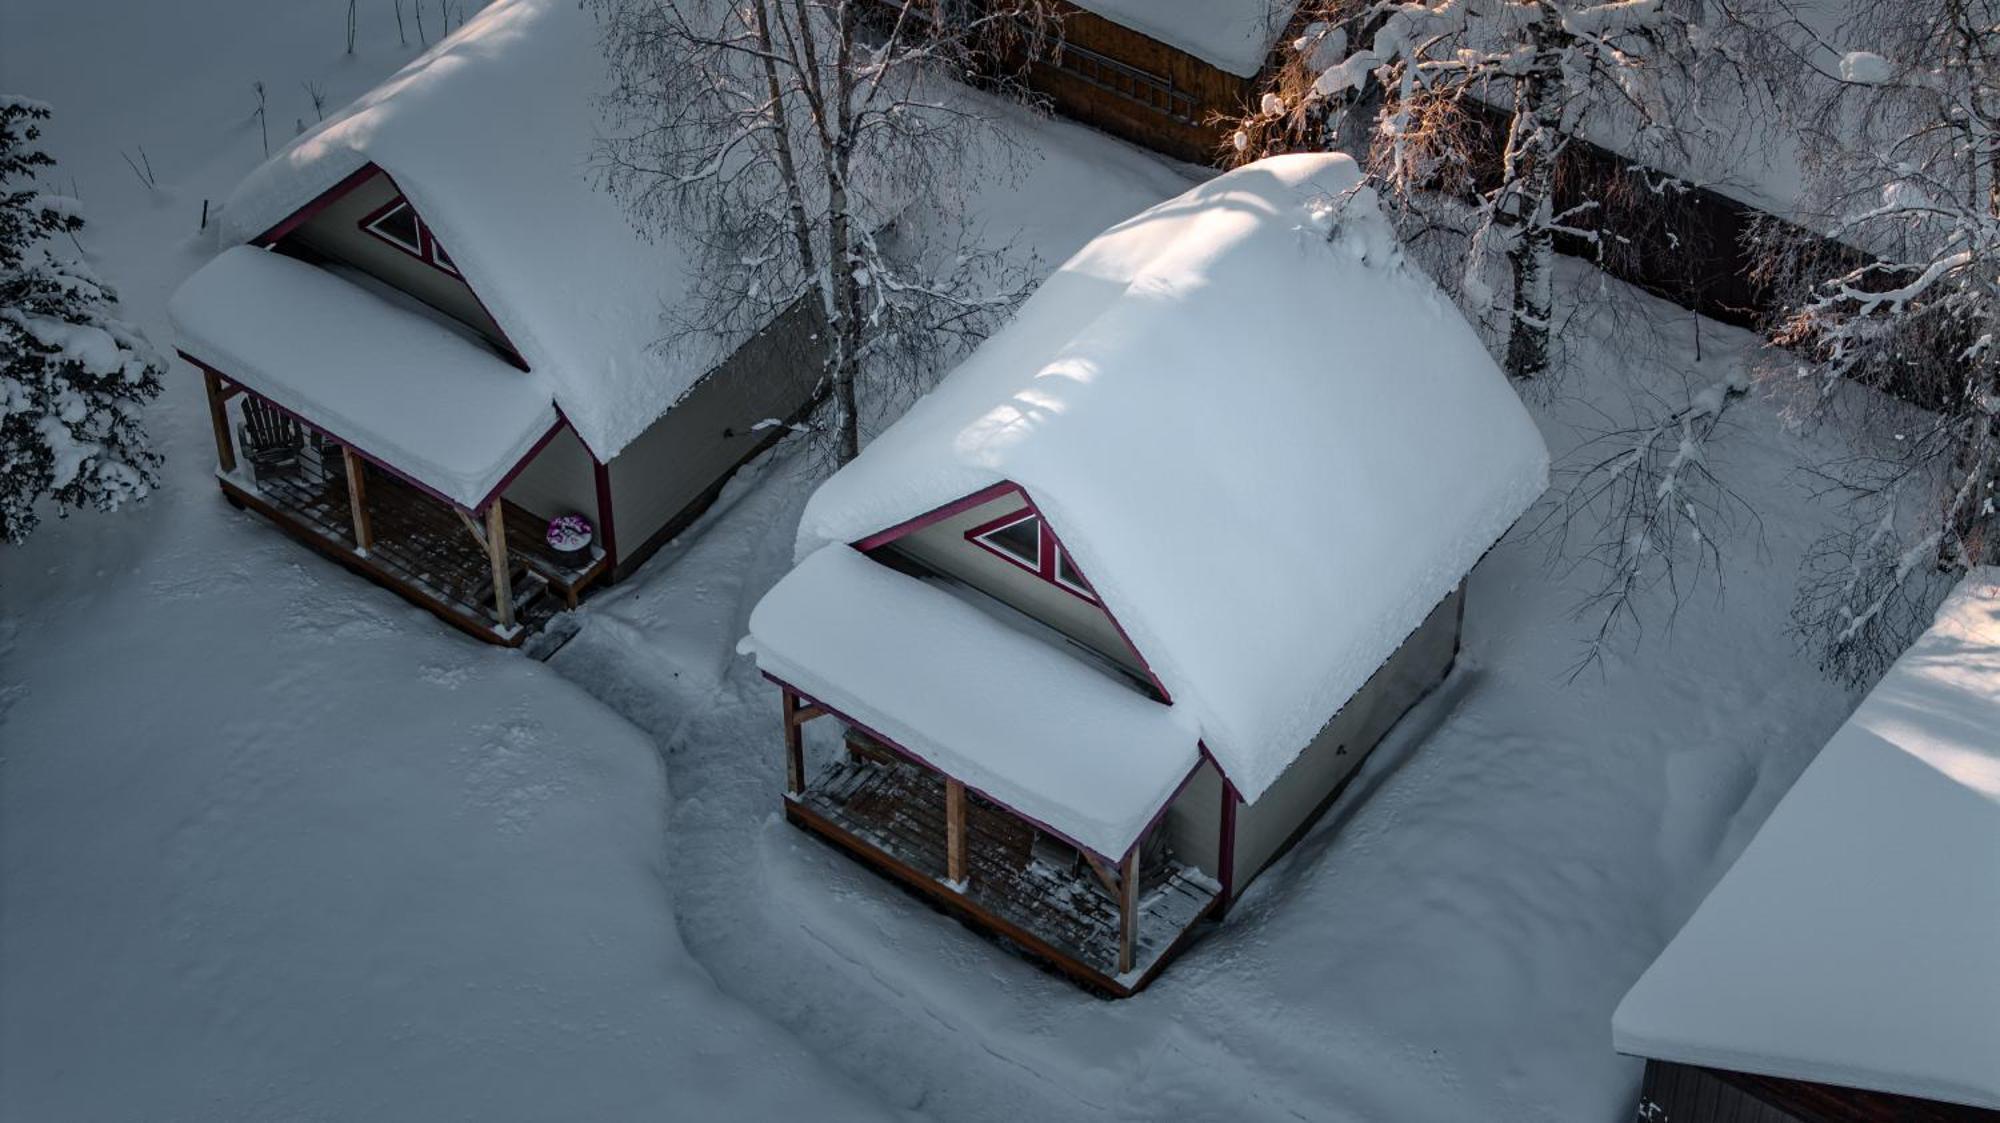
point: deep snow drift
(274, 844)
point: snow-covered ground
(274, 844)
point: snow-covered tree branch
(72, 377)
(1481, 100)
(1899, 108)
(817, 150)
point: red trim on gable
(984, 495)
(332, 195)
(1049, 551)
(913, 758)
(311, 210)
(428, 249)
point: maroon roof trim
(959, 506)
(601, 475)
(311, 210)
(334, 194)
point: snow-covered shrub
(72, 377)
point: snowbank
(1234, 35)
(1024, 723)
(490, 134)
(1857, 940)
(1270, 444)
(402, 387)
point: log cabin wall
(1140, 89)
(1681, 1093)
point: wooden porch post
(795, 746)
(218, 416)
(1128, 910)
(954, 832)
(496, 550)
(357, 500)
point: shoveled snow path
(1448, 944)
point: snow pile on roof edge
(1856, 941)
(1271, 444)
(407, 390)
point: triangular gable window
(398, 224)
(1024, 539)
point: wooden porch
(1110, 930)
(490, 574)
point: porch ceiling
(1016, 718)
(398, 386)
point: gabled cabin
(433, 350)
(1847, 967)
(1109, 617)
(1172, 75)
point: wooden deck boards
(421, 548)
(893, 814)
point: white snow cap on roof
(342, 356)
(490, 135)
(1233, 35)
(1856, 941)
(1270, 444)
(1092, 758)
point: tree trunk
(1525, 208)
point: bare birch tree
(1898, 110)
(817, 152)
(1478, 102)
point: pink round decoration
(569, 533)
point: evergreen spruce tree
(72, 376)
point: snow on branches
(1480, 100)
(1901, 155)
(72, 377)
(816, 150)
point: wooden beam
(954, 832)
(357, 500)
(795, 746)
(496, 550)
(218, 416)
(1128, 910)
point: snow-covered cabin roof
(1091, 757)
(1270, 444)
(490, 135)
(1233, 35)
(334, 352)
(1856, 941)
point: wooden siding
(560, 480)
(1678, 1093)
(334, 233)
(1150, 93)
(942, 548)
(1267, 828)
(673, 470)
(1194, 821)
